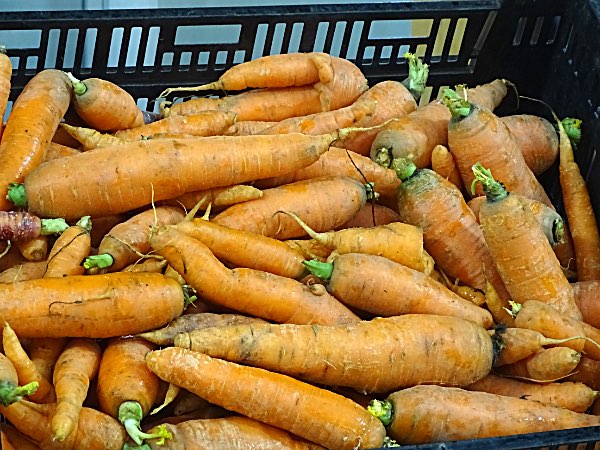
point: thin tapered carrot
(22, 226)
(146, 265)
(528, 266)
(430, 202)
(443, 163)
(105, 106)
(55, 151)
(342, 355)
(323, 203)
(371, 215)
(18, 439)
(246, 127)
(254, 292)
(10, 391)
(112, 180)
(578, 208)
(127, 242)
(545, 365)
(240, 248)
(380, 286)
(472, 132)
(75, 367)
(95, 430)
(426, 414)
(574, 396)
(307, 411)
(35, 249)
(69, 250)
(217, 197)
(44, 353)
(95, 306)
(23, 271)
(32, 122)
(126, 388)
(586, 297)
(25, 368)
(233, 433)
(5, 76)
(89, 138)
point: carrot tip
(9, 393)
(382, 410)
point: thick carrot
(18, 440)
(586, 297)
(246, 127)
(323, 203)
(22, 226)
(55, 151)
(35, 249)
(545, 365)
(93, 306)
(254, 292)
(430, 202)
(105, 106)
(127, 242)
(443, 163)
(76, 366)
(587, 372)
(69, 250)
(189, 322)
(240, 248)
(24, 271)
(472, 132)
(371, 215)
(574, 396)
(536, 138)
(312, 413)
(398, 242)
(528, 266)
(343, 355)
(95, 430)
(112, 180)
(233, 433)
(44, 353)
(32, 122)
(424, 414)
(5, 76)
(579, 209)
(217, 197)
(10, 391)
(380, 286)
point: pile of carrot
(313, 262)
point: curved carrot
(146, 265)
(89, 138)
(32, 122)
(5, 76)
(69, 250)
(35, 249)
(545, 365)
(488, 95)
(307, 411)
(105, 106)
(10, 391)
(76, 366)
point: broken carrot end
(17, 194)
(322, 270)
(382, 410)
(10, 393)
(101, 261)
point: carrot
(472, 132)
(309, 248)
(578, 207)
(377, 285)
(146, 265)
(443, 163)
(75, 367)
(89, 138)
(587, 372)
(586, 297)
(240, 248)
(430, 202)
(11, 256)
(63, 138)
(32, 122)
(4, 442)
(574, 396)
(102, 225)
(246, 127)
(10, 391)
(5, 76)
(105, 106)
(545, 365)
(338, 355)
(34, 249)
(44, 353)
(528, 263)
(335, 79)
(17, 439)
(323, 203)
(536, 138)
(94, 430)
(234, 433)
(371, 215)
(69, 250)
(126, 388)
(93, 306)
(112, 180)
(424, 414)
(221, 196)
(398, 242)
(126, 242)
(307, 411)
(254, 292)
(55, 151)
(24, 271)
(22, 226)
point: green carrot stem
(573, 129)
(101, 261)
(418, 72)
(11, 393)
(383, 410)
(85, 223)
(189, 296)
(17, 195)
(404, 168)
(494, 190)
(320, 269)
(131, 415)
(459, 107)
(79, 87)
(53, 226)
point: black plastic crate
(548, 48)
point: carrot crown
(10, 393)
(320, 269)
(418, 72)
(383, 410)
(17, 194)
(130, 415)
(404, 168)
(458, 106)
(79, 88)
(573, 129)
(494, 190)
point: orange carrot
(111, 180)
(308, 248)
(221, 196)
(93, 306)
(146, 265)
(587, 372)
(55, 151)
(24, 271)
(545, 365)
(586, 297)
(246, 127)
(44, 353)
(338, 355)
(105, 106)
(240, 248)
(312, 413)
(5, 76)
(371, 215)
(574, 396)
(528, 266)
(323, 203)
(380, 286)
(22, 226)
(10, 391)
(18, 439)
(69, 250)
(76, 366)
(424, 414)
(90, 138)
(102, 225)
(254, 292)
(32, 122)
(443, 163)
(35, 249)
